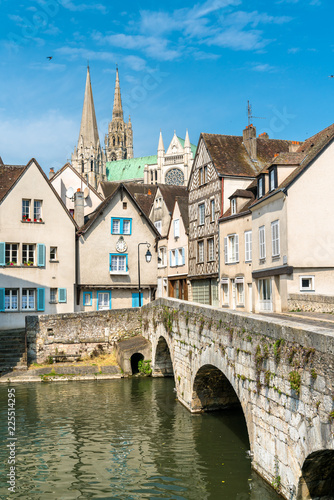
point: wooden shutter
(40, 299)
(40, 255)
(170, 259)
(176, 257)
(225, 250)
(62, 295)
(2, 299)
(237, 248)
(183, 257)
(2, 253)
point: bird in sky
(49, 57)
(331, 76)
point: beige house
(107, 250)
(67, 181)
(293, 234)
(177, 250)
(37, 247)
(235, 235)
(222, 165)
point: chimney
(264, 135)
(79, 216)
(293, 146)
(249, 138)
(51, 173)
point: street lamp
(148, 257)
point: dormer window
(233, 206)
(260, 187)
(272, 179)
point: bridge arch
(163, 364)
(317, 480)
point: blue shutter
(170, 258)
(183, 257)
(237, 248)
(2, 299)
(2, 253)
(40, 255)
(62, 295)
(225, 251)
(135, 299)
(40, 299)
(176, 257)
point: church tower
(119, 140)
(88, 157)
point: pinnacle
(88, 129)
(117, 111)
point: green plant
(331, 416)
(314, 374)
(267, 376)
(277, 349)
(295, 381)
(144, 367)
(276, 483)
(49, 360)
(317, 404)
(179, 379)
(309, 354)
(293, 352)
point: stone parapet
(311, 303)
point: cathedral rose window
(174, 177)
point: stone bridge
(281, 373)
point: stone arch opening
(317, 480)
(163, 365)
(213, 391)
(135, 358)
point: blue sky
(191, 67)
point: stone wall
(282, 373)
(311, 302)
(79, 333)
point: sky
(192, 67)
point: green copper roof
(193, 147)
(133, 168)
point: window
(121, 226)
(212, 210)
(25, 209)
(28, 254)
(262, 241)
(53, 253)
(162, 255)
(176, 228)
(205, 174)
(118, 264)
(201, 214)
(87, 298)
(239, 282)
(11, 256)
(11, 300)
(272, 179)
(158, 225)
(225, 292)
(231, 249)
(201, 181)
(201, 251)
(37, 210)
(158, 202)
(233, 206)
(260, 187)
(211, 251)
(53, 295)
(275, 238)
(28, 299)
(125, 205)
(173, 258)
(306, 283)
(103, 301)
(248, 246)
(181, 257)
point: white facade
(37, 250)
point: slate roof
(169, 193)
(9, 174)
(306, 153)
(230, 156)
(242, 193)
(143, 193)
(131, 168)
(183, 205)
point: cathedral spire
(161, 146)
(117, 111)
(89, 135)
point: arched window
(113, 141)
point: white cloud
(73, 53)
(39, 138)
(264, 68)
(293, 50)
(47, 66)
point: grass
(102, 360)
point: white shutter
(236, 248)
(225, 250)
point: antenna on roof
(250, 116)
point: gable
(202, 158)
(175, 147)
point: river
(123, 439)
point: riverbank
(54, 373)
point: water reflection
(125, 440)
